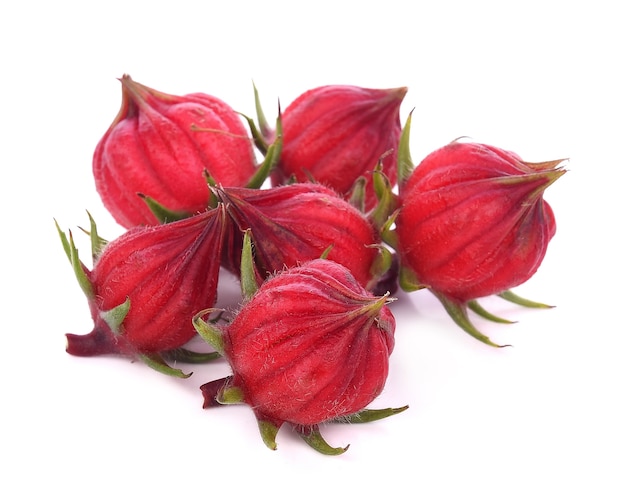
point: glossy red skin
(295, 223)
(150, 148)
(466, 229)
(298, 355)
(169, 272)
(336, 133)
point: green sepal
(387, 199)
(72, 254)
(326, 252)
(408, 280)
(357, 194)
(162, 213)
(312, 436)
(270, 160)
(382, 263)
(260, 115)
(263, 131)
(387, 233)
(116, 316)
(97, 242)
(458, 312)
(268, 433)
(210, 391)
(64, 241)
(380, 182)
(405, 163)
(474, 306)
(230, 395)
(257, 136)
(208, 331)
(248, 282)
(516, 299)
(186, 356)
(156, 362)
(367, 415)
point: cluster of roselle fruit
(322, 216)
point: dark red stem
(96, 343)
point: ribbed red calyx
(146, 285)
(295, 223)
(473, 221)
(311, 345)
(335, 134)
(160, 144)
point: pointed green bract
(268, 433)
(382, 263)
(156, 362)
(208, 331)
(257, 136)
(405, 163)
(230, 395)
(79, 271)
(186, 356)
(270, 160)
(380, 181)
(474, 306)
(408, 280)
(64, 242)
(367, 415)
(357, 194)
(248, 281)
(326, 252)
(458, 312)
(516, 299)
(260, 115)
(387, 199)
(314, 439)
(115, 317)
(162, 213)
(97, 242)
(387, 233)
(72, 254)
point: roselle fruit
(160, 144)
(309, 346)
(472, 223)
(294, 223)
(336, 134)
(145, 287)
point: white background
(543, 419)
